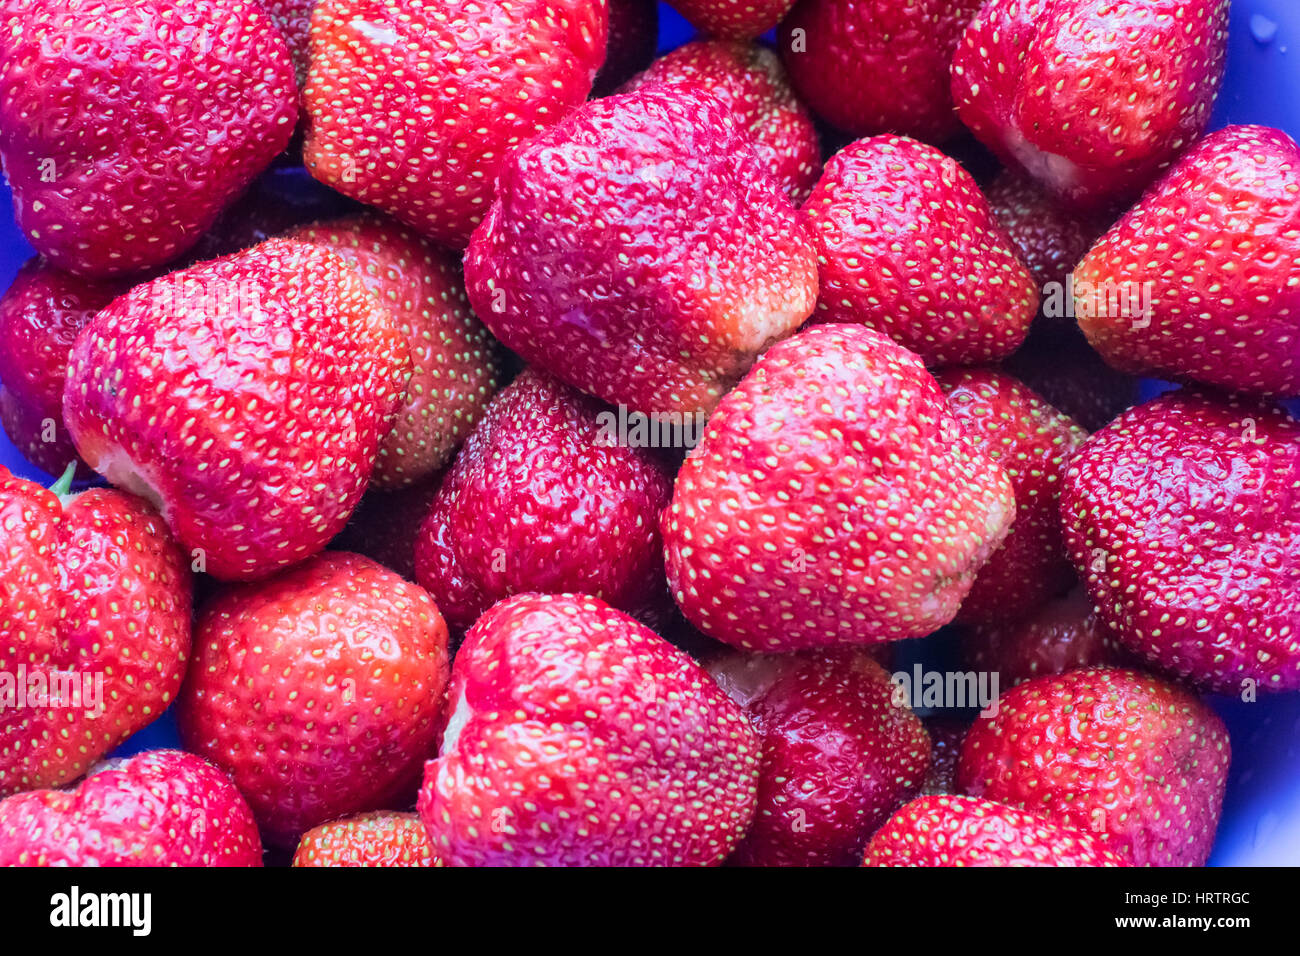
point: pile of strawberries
(556, 486)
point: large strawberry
(413, 105)
(246, 396)
(1183, 518)
(579, 737)
(1091, 97)
(633, 37)
(641, 252)
(907, 244)
(94, 627)
(162, 808)
(382, 838)
(319, 691)
(834, 499)
(733, 19)
(103, 186)
(1197, 281)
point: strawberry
(838, 756)
(1032, 441)
(1066, 372)
(751, 81)
(733, 19)
(1183, 519)
(633, 37)
(1062, 635)
(579, 737)
(103, 187)
(833, 500)
(1093, 98)
(94, 627)
(1196, 282)
(382, 838)
(964, 831)
(544, 499)
(386, 523)
(907, 245)
(1118, 753)
(413, 105)
(946, 736)
(162, 808)
(640, 251)
(246, 397)
(319, 691)
(455, 367)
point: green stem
(64, 484)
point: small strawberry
(319, 691)
(733, 19)
(162, 808)
(833, 500)
(386, 523)
(946, 736)
(1066, 372)
(246, 396)
(1114, 752)
(838, 756)
(640, 251)
(1092, 97)
(1183, 519)
(578, 737)
(382, 838)
(907, 245)
(633, 37)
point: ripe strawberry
(383, 838)
(1032, 441)
(908, 245)
(1092, 97)
(543, 499)
(577, 736)
(640, 251)
(413, 105)
(247, 397)
(94, 627)
(833, 500)
(633, 37)
(1110, 751)
(733, 19)
(946, 736)
(1183, 518)
(455, 365)
(1064, 370)
(838, 756)
(1063, 635)
(103, 187)
(963, 831)
(1209, 256)
(386, 523)
(319, 691)
(162, 808)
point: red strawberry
(383, 838)
(877, 66)
(104, 187)
(1110, 751)
(1197, 281)
(733, 19)
(163, 808)
(838, 756)
(1183, 518)
(246, 396)
(413, 105)
(319, 691)
(750, 80)
(1063, 635)
(543, 499)
(579, 737)
(946, 736)
(455, 365)
(94, 627)
(832, 500)
(908, 245)
(633, 37)
(386, 523)
(1065, 371)
(963, 831)
(1092, 97)
(640, 251)
(1032, 441)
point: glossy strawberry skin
(833, 500)
(385, 525)
(1183, 520)
(1209, 253)
(1140, 762)
(1064, 634)
(413, 105)
(102, 187)
(319, 691)
(633, 37)
(247, 396)
(578, 737)
(733, 19)
(380, 839)
(883, 205)
(640, 251)
(161, 808)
